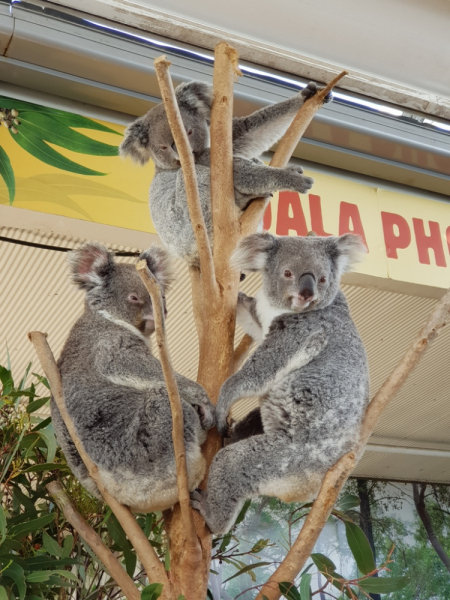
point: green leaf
(152, 591)
(42, 380)
(383, 585)
(247, 568)
(38, 576)
(118, 535)
(2, 524)
(305, 587)
(243, 512)
(52, 546)
(3, 594)
(42, 424)
(7, 174)
(68, 546)
(38, 563)
(36, 404)
(42, 151)
(348, 501)
(360, 547)
(48, 436)
(289, 590)
(54, 131)
(16, 573)
(323, 563)
(23, 529)
(46, 467)
(70, 119)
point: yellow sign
(65, 164)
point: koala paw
(198, 500)
(311, 90)
(222, 424)
(206, 415)
(300, 182)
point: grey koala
(114, 387)
(310, 372)
(150, 137)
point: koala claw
(198, 498)
(311, 90)
(307, 184)
(206, 415)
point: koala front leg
(247, 317)
(255, 180)
(237, 473)
(196, 396)
(258, 132)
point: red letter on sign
(433, 241)
(315, 209)
(394, 242)
(285, 223)
(349, 212)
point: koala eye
(163, 147)
(133, 298)
(287, 274)
(189, 132)
(322, 279)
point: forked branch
(94, 541)
(339, 473)
(189, 173)
(153, 289)
(254, 213)
(146, 554)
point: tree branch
(189, 173)
(254, 213)
(152, 565)
(339, 473)
(419, 501)
(149, 280)
(94, 541)
(242, 350)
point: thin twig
(94, 541)
(254, 213)
(154, 290)
(145, 552)
(339, 473)
(189, 173)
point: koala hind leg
(238, 472)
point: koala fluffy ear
(195, 96)
(159, 263)
(136, 141)
(350, 249)
(91, 265)
(251, 252)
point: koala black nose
(307, 286)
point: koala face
(150, 136)
(299, 274)
(117, 288)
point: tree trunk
(365, 520)
(419, 501)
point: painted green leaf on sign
(383, 585)
(7, 174)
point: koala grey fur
(149, 137)
(310, 372)
(114, 387)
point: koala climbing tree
(215, 292)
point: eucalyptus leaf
(152, 591)
(7, 174)
(52, 546)
(55, 132)
(3, 593)
(16, 573)
(36, 404)
(289, 590)
(360, 548)
(384, 585)
(305, 587)
(348, 501)
(247, 568)
(2, 524)
(48, 436)
(23, 529)
(35, 146)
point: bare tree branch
(189, 173)
(339, 473)
(152, 565)
(419, 501)
(94, 541)
(254, 213)
(242, 350)
(149, 280)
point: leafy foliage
(34, 127)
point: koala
(310, 372)
(114, 387)
(149, 137)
